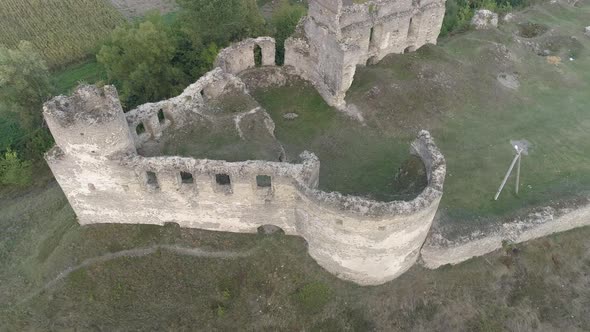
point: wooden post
(507, 175)
(518, 174)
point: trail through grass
(113, 282)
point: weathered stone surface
(106, 181)
(241, 56)
(587, 31)
(338, 35)
(438, 250)
(484, 19)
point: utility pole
(514, 161)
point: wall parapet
(305, 172)
(423, 147)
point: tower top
(88, 104)
(90, 121)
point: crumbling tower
(91, 135)
(338, 35)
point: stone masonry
(106, 180)
(338, 35)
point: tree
(24, 84)
(141, 60)
(219, 21)
(284, 22)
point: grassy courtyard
(453, 91)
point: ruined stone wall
(106, 181)
(438, 250)
(338, 35)
(241, 56)
(367, 241)
(178, 111)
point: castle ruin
(106, 180)
(338, 35)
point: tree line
(153, 59)
(147, 60)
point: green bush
(14, 171)
(140, 61)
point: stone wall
(338, 35)
(106, 181)
(241, 56)
(177, 111)
(438, 250)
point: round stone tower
(90, 122)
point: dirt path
(139, 252)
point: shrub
(140, 60)
(14, 171)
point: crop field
(55, 27)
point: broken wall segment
(358, 239)
(438, 250)
(243, 55)
(145, 121)
(338, 35)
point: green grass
(354, 159)
(541, 284)
(451, 90)
(55, 27)
(89, 72)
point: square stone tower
(338, 35)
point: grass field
(452, 90)
(55, 27)
(542, 285)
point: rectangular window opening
(371, 36)
(222, 179)
(257, 56)
(263, 181)
(411, 28)
(152, 180)
(161, 117)
(140, 129)
(186, 178)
